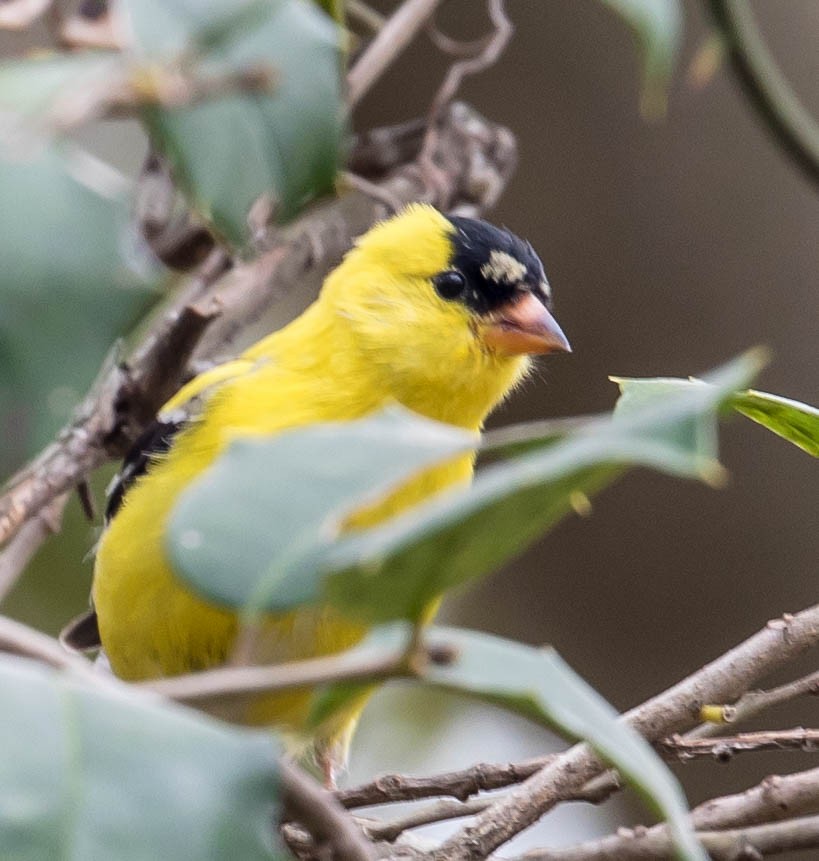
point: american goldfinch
(440, 314)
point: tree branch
(753, 842)
(777, 797)
(724, 748)
(126, 93)
(766, 87)
(752, 703)
(438, 812)
(322, 815)
(20, 551)
(723, 680)
(19, 639)
(482, 777)
(243, 681)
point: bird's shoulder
(159, 436)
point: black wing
(156, 439)
(82, 634)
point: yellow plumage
(378, 333)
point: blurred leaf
(74, 277)
(263, 553)
(658, 27)
(539, 685)
(334, 8)
(225, 539)
(32, 86)
(395, 570)
(796, 422)
(99, 773)
(523, 437)
(229, 151)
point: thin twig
(20, 551)
(126, 93)
(777, 797)
(752, 703)
(441, 811)
(484, 777)
(365, 14)
(455, 47)
(243, 681)
(481, 777)
(19, 639)
(724, 748)
(326, 820)
(752, 842)
(492, 49)
(723, 680)
(19, 14)
(393, 37)
(765, 85)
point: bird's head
(447, 309)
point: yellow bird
(437, 313)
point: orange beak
(525, 326)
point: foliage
(82, 761)
(97, 277)
(286, 137)
(92, 283)
(78, 763)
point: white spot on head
(503, 268)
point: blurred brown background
(671, 247)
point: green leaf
(226, 541)
(227, 152)
(102, 773)
(74, 277)
(658, 27)
(30, 87)
(265, 552)
(796, 422)
(539, 685)
(334, 8)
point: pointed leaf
(658, 26)
(101, 773)
(794, 421)
(538, 684)
(395, 570)
(250, 530)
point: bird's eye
(449, 284)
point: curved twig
(765, 85)
(396, 33)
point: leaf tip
(580, 503)
(713, 473)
